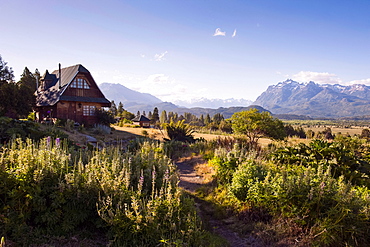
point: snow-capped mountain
(213, 103)
(316, 100)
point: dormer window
(80, 83)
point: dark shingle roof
(54, 92)
(141, 118)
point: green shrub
(346, 157)
(336, 212)
(133, 196)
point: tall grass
(132, 197)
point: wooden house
(69, 93)
(142, 121)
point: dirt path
(190, 181)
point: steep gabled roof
(51, 95)
(141, 118)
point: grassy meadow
(56, 189)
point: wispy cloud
(363, 81)
(160, 57)
(218, 32)
(234, 33)
(318, 77)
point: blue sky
(190, 49)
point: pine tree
(207, 120)
(26, 89)
(155, 116)
(113, 108)
(201, 119)
(120, 109)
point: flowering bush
(47, 190)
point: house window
(80, 83)
(88, 110)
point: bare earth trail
(190, 181)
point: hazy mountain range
(213, 103)
(316, 100)
(134, 101)
(288, 99)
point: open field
(352, 130)
(157, 134)
(127, 133)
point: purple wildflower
(57, 142)
(48, 140)
(141, 181)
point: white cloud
(363, 81)
(318, 77)
(160, 57)
(234, 34)
(218, 32)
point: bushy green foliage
(179, 131)
(337, 212)
(104, 117)
(303, 183)
(47, 190)
(12, 128)
(255, 124)
(227, 161)
(342, 156)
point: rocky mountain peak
(316, 100)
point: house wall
(74, 111)
(93, 91)
(69, 110)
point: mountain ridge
(135, 101)
(316, 100)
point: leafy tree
(225, 126)
(8, 91)
(163, 118)
(255, 124)
(291, 131)
(217, 118)
(6, 73)
(328, 134)
(104, 117)
(365, 133)
(128, 115)
(173, 116)
(8, 102)
(310, 134)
